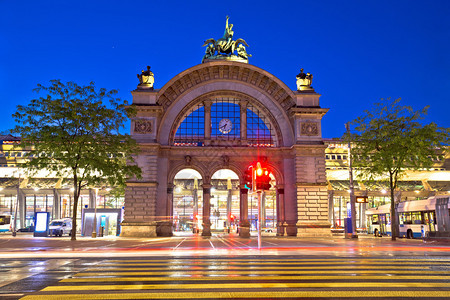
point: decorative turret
(225, 47)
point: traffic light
(248, 177)
(232, 217)
(262, 177)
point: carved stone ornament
(146, 79)
(309, 129)
(187, 159)
(143, 126)
(226, 160)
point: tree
(390, 139)
(72, 133)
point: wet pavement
(222, 266)
(188, 244)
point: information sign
(41, 220)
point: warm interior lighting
(383, 191)
(1, 189)
(417, 192)
(36, 189)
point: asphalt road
(222, 267)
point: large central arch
(227, 78)
(296, 157)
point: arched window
(191, 131)
(226, 118)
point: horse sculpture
(225, 45)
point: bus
(5, 223)
(419, 218)
(379, 220)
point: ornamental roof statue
(304, 81)
(225, 47)
(146, 79)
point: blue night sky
(358, 51)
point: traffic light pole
(259, 218)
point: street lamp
(352, 190)
(14, 229)
(94, 231)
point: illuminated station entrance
(199, 133)
(225, 207)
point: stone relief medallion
(143, 126)
(309, 129)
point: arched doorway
(187, 201)
(269, 209)
(225, 198)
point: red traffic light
(259, 170)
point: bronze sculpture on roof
(225, 47)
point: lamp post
(14, 229)
(352, 190)
(94, 231)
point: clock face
(225, 126)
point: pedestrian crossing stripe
(252, 294)
(369, 260)
(228, 278)
(189, 272)
(172, 263)
(213, 267)
(254, 278)
(247, 285)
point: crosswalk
(255, 277)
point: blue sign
(41, 220)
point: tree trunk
(76, 195)
(393, 219)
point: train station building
(201, 131)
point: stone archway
(295, 149)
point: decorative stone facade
(296, 156)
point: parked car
(60, 227)
(26, 229)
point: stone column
(140, 205)
(91, 198)
(22, 208)
(244, 225)
(195, 209)
(229, 202)
(312, 209)
(165, 226)
(280, 211)
(243, 106)
(206, 210)
(207, 105)
(56, 204)
(331, 208)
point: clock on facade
(225, 126)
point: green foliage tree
(73, 134)
(390, 139)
